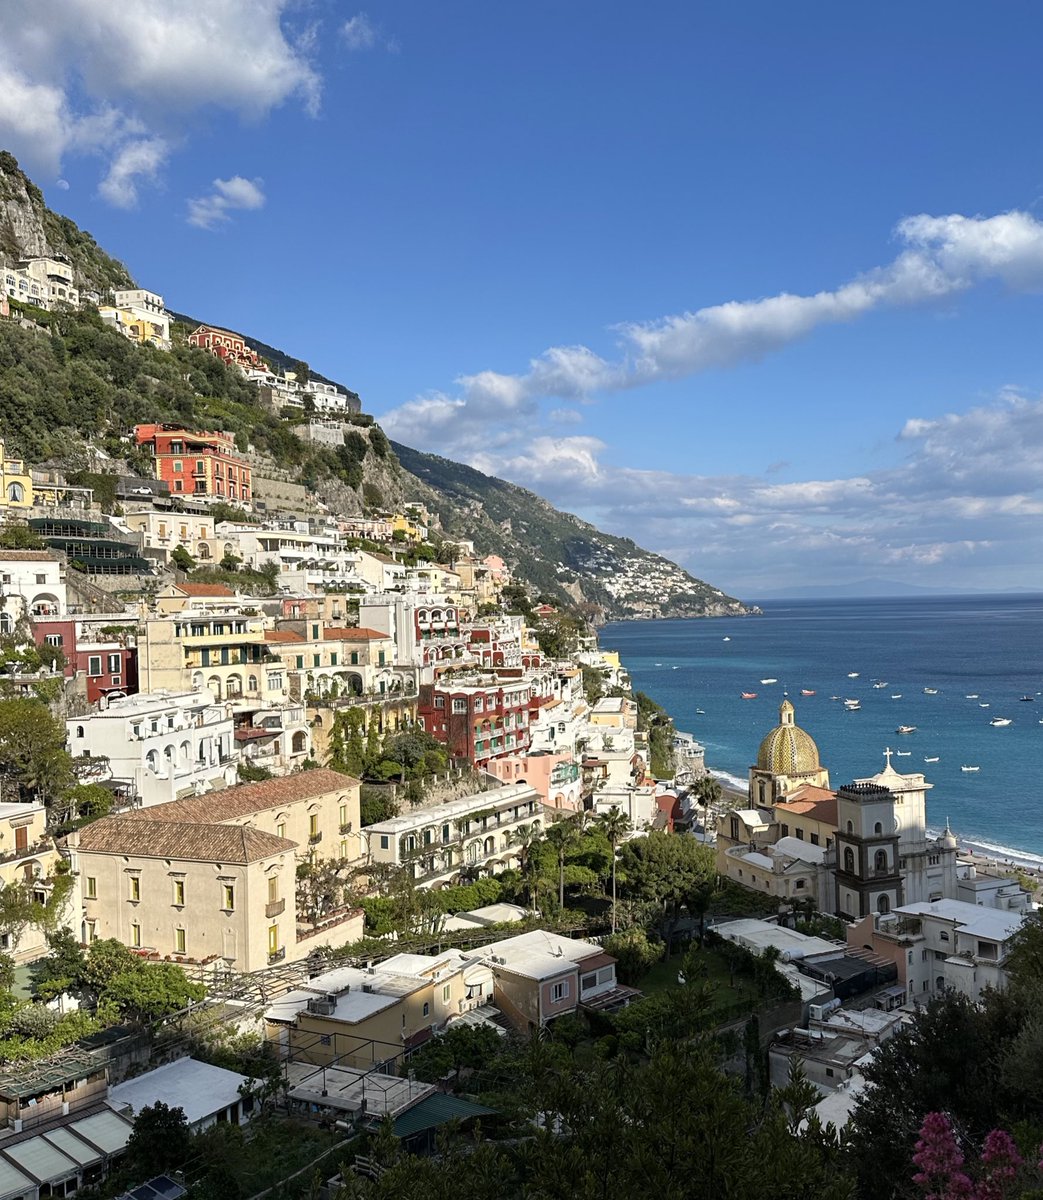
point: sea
(971, 652)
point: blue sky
(755, 284)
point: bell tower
(868, 874)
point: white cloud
(359, 33)
(135, 162)
(78, 76)
(228, 196)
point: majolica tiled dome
(788, 749)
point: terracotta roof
(818, 803)
(282, 635)
(179, 839)
(205, 589)
(344, 633)
(232, 803)
(27, 556)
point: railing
(275, 956)
(274, 908)
(36, 848)
(314, 839)
(346, 827)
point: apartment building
(360, 1018)
(318, 811)
(477, 719)
(315, 560)
(139, 315)
(31, 582)
(163, 532)
(165, 744)
(27, 857)
(478, 832)
(556, 777)
(202, 465)
(230, 347)
(191, 892)
(333, 661)
(224, 652)
(426, 628)
(55, 279)
(16, 483)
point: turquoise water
(990, 645)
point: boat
(727, 639)
(807, 691)
(971, 696)
(748, 695)
(882, 684)
(852, 674)
(769, 681)
(930, 691)
(897, 696)
(1028, 699)
(984, 704)
(935, 759)
(834, 697)
(966, 768)
(903, 753)
(700, 712)
(998, 721)
(906, 729)
(852, 705)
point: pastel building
(229, 347)
(16, 483)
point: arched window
(252, 683)
(850, 827)
(152, 761)
(849, 861)
(79, 731)
(880, 860)
(186, 752)
(300, 742)
(6, 623)
(15, 493)
(883, 905)
(878, 828)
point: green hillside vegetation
(75, 380)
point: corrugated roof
(181, 839)
(436, 1110)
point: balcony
(275, 956)
(30, 851)
(346, 827)
(274, 908)
(314, 839)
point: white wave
(732, 781)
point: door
(21, 838)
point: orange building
(197, 464)
(229, 346)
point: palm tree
(562, 835)
(526, 838)
(707, 792)
(615, 825)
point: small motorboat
(700, 712)
(769, 681)
(903, 753)
(906, 729)
(852, 705)
(807, 691)
(726, 639)
(1000, 721)
(984, 704)
(969, 769)
(930, 691)
(881, 684)
(935, 759)
(897, 696)
(852, 674)
(1028, 699)
(748, 695)
(971, 696)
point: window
(459, 706)
(200, 466)
(384, 841)
(228, 891)
(115, 665)
(135, 934)
(588, 981)
(53, 639)
(447, 991)
(313, 825)
(91, 888)
(273, 939)
(179, 941)
(479, 704)
(94, 664)
(427, 1009)
(179, 893)
(135, 888)
(343, 815)
(280, 829)
(177, 465)
(41, 578)
(440, 702)
(944, 935)
(800, 885)
(560, 991)
(273, 889)
(445, 833)
(814, 839)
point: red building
(477, 722)
(197, 464)
(228, 346)
(107, 667)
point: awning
(438, 1110)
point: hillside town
(319, 819)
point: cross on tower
(887, 754)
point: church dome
(788, 749)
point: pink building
(555, 776)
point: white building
(478, 832)
(168, 744)
(165, 531)
(206, 1094)
(54, 276)
(31, 582)
(309, 559)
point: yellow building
(16, 484)
(27, 857)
